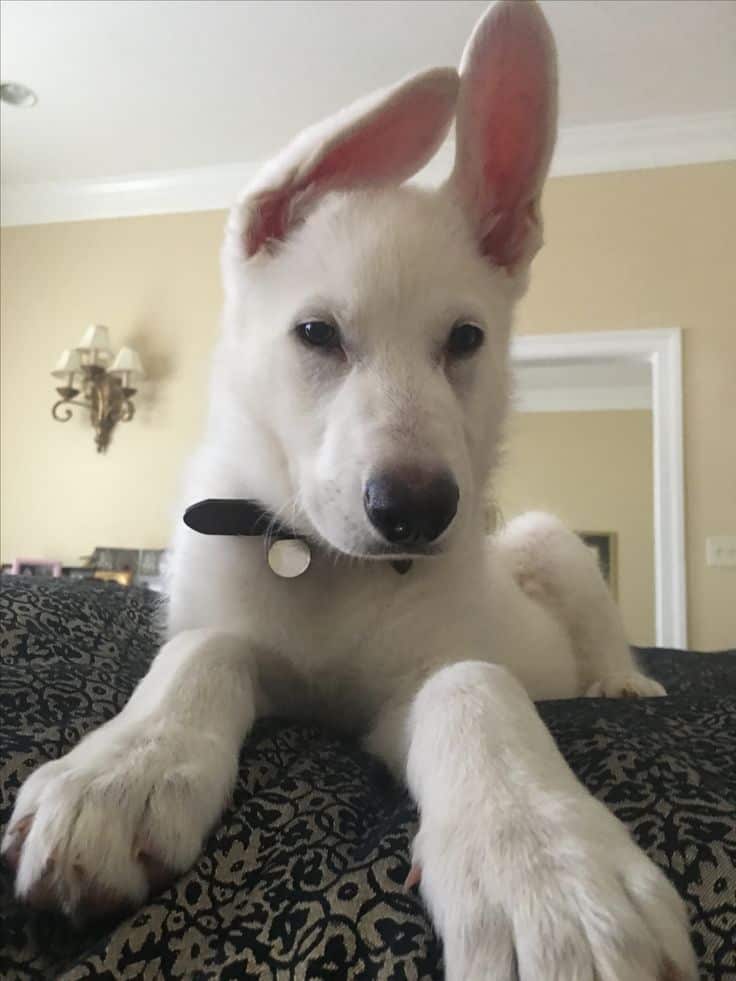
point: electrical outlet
(720, 550)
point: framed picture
(605, 546)
(129, 566)
(150, 568)
(122, 578)
(115, 559)
(36, 567)
(149, 563)
(78, 571)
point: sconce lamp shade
(68, 363)
(96, 338)
(128, 362)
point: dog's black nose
(411, 506)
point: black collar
(239, 516)
(234, 516)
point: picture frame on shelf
(43, 568)
(150, 568)
(143, 566)
(107, 559)
(125, 566)
(78, 571)
(124, 577)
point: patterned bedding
(303, 876)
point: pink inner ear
(268, 221)
(514, 131)
(384, 148)
(506, 123)
(515, 137)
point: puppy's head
(363, 366)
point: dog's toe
(626, 685)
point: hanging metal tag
(289, 557)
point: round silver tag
(289, 557)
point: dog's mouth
(401, 559)
(371, 548)
(392, 554)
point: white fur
(433, 670)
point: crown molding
(595, 399)
(162, 192)
(642, 144)
(639, 144)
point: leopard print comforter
(303, 877)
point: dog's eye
(318, 333)
(464, 340)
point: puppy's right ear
(383, 139)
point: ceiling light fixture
(17, 94)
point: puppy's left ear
(506, 127)
(383, 139)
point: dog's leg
(555, 567)
(524, 873)
(128, 808)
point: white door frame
(662, 349)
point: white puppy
(358, 392)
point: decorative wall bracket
(107, 393)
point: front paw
(626, 684)
(566, 896)
(97, 831)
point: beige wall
(641, 249)
(593, 470)
(657, 248)
(155, 282)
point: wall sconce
(107, 392)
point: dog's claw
(671, 973)
(13, 843)
(91, 899)
(159, 875)
(413, 878)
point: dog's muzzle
(410, 507)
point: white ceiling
(140, 87)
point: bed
(303, 876)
